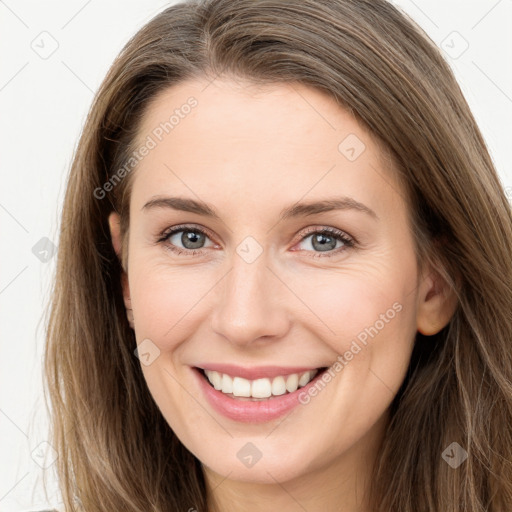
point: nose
(250, 304)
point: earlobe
(114, 222)
(115, 233)
(437, 304)
(127, 299)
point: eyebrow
(293, 211)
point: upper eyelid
(187, 227)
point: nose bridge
(246, 307)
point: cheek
(345, 301)
(165, 300)
(366, 313)
(375, 334)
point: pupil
(322, 240)
(191, 239)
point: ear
(114, 222)
(437, 303)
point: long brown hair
(377, 63)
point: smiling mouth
(259, 389)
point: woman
(284, 277)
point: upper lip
(255, 372)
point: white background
(44, 102)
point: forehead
(244, 110)
(277, 141)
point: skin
(250, 152)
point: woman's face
(306, 262)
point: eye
(192, 239)
(326, 241)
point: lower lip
(248, 411)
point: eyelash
(348, 242)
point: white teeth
(259, 388)
(227, 384)
(241, 387)
(216, 380)
(279, 386)
(292, 383)
(304, 379)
